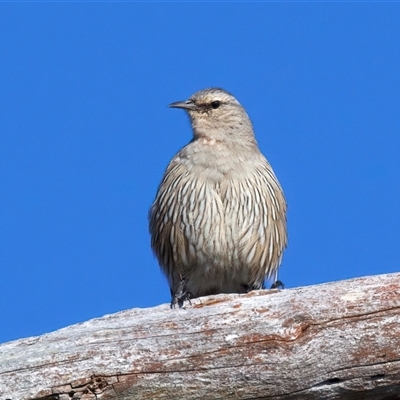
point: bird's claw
(278, 285)
(181, 295)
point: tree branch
(330, 341)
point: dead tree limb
(338, 340)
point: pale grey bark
(339, 340)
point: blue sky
(85, 136)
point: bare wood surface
(339, 340)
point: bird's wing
(186, 221)
(261, 222)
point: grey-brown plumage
(218, 223)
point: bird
(218, 221)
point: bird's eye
(215, 104)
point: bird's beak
(187, 105)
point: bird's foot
(181, 295)
(278, 285)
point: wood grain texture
(339, 340)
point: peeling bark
(338, 340)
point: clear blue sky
(85, 135)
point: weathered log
(338, 340)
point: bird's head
(215, 114)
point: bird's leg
(181, 295)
